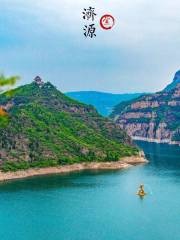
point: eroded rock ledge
(168, 141)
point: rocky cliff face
(174, 83)
(152, 117)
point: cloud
(139, 54)
(134, 18)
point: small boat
(141, 191)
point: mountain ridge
(152, 117)
(46, 127)
(173, 84)
(102, 101)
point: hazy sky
(141, 52)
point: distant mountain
(45, 128)
(103, 102)
(174, 83)
(154, 117)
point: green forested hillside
(45, 127)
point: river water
(97, 205)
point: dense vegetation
(47, 128)
(6, 83)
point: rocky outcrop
(154, 117)
(148, 130)
(174, 83)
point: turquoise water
(97, 205)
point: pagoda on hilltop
(38, 80)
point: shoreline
(125, 163)
(167, 141)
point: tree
(5, 84)
(4, 81)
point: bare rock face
(153, 116)
(144, 104)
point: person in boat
(141, 191)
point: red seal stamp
(107, 21)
